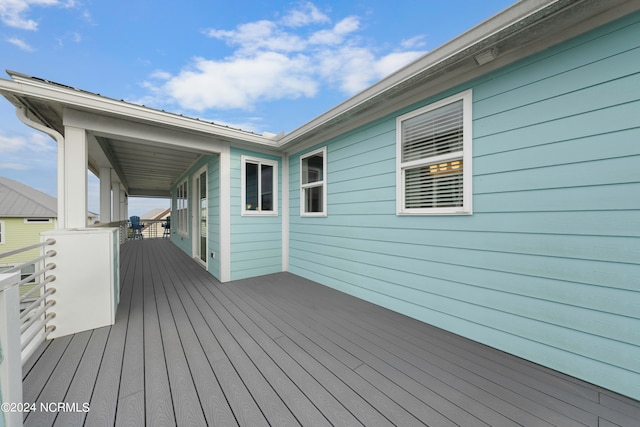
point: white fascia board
(140, 133)
(77, 99)
(513, 14)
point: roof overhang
(149, 149)
(527, 27)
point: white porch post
(105, 195)
(74, 178)
(117, 202)
(124, 205)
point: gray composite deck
(280, 350)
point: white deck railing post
(10, 351)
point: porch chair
(136, 227)
(167, 228)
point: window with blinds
(434, 149)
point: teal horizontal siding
(547, 266)
(256, 241)
(598, 223)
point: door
(200, 218)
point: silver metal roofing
(19, 200)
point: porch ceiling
(147, 158)
(146, 170)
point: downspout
(21, 112)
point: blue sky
(258, 65)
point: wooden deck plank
(59, 381)
(30, 363)
(282, 350)
(158, 401)
(84, 380)
(491, 387)
(550, 382)
(255, 324)
(485, 399)
(261, 376)
(243, 406)
(104, 400)
(191, 405)
(395, 382)
(185, 398)
(366, 402)
(132, 385)
(37, 377)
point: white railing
(22, 330)
(154, 228)
(123, 227)
(34, 303)
(151, 229)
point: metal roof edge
(25, 85)
(491, 26)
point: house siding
(256, 241)
(185, 242)
(19, 234)
(547, 266)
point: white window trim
(243, 195)
(3, 231)
(182, 213)
(322, 183)
(467, 175)
(37, 221)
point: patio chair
(136, 227)
(167, 228)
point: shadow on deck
(281, 350)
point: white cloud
(27, 152)
(34, 142)
(259, 36)
(241, 82)
(41, 143)
(306, 14)
(12, 11)
(337, 34)
(11, 144)
(413, 42)
(394, 61)
(21, 44)
(14, 166)
(279, 59)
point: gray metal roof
(19, 200)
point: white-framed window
(182, 208)
(259, 186)
(313, 183)
(434, 158)
(2, 233)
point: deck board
(281, 350)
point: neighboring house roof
(19, 200)
(157, 213)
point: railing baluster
(22, 332)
